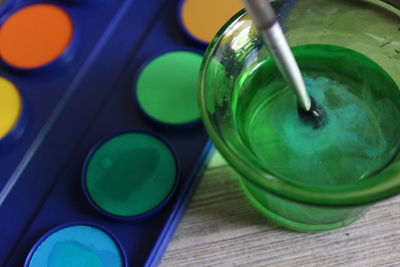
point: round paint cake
(35, 36)
(76, 245)
(166, 88)
(130, 175)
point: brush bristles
(316, 117)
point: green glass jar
(302, 177)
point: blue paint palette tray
(73, 104)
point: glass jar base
(293, 224)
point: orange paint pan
(201, 19)
(35, 36)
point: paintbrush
(264, 18)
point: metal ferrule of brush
(279, 48)
(263, 16)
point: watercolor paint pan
(77, 244)
(72, 108)
(200, 20)
(37, 37)
(162, 90)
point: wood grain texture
(221, 228)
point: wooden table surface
(221, 228)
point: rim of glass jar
(364, 192)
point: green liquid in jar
(362, 104)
